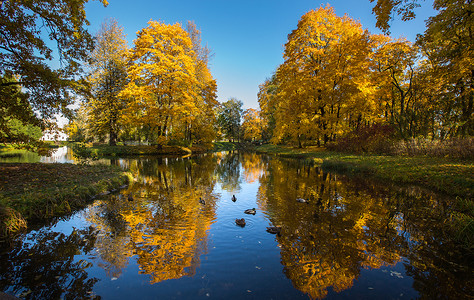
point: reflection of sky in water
(355, 243)
(60, 155)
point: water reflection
(45, 266)
(164, 225)
(354, 237)
(350, 225)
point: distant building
(54, 135)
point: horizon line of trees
(337, 79)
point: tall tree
(267, 95)
(323, 80)
(108, 78)
(394, 62)
(162, 79)
(202, 128)
(26, 53)
(230, 114)
(447, 44)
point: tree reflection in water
(165, 226)
(45, 267)
(350, 225)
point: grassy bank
(449, 176)
(31, 192)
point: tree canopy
(33, 34)
(338, 79)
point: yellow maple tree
(162, 74)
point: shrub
(452, 148)
(376, 138)
(12, 221)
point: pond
(172, 235)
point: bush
(376, 138)
(452, 148)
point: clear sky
(246, 36)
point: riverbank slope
(30, 192)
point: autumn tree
(202, 128)
(108, 78)
(324, 81)
(395, 68)
(32, 35)
(229, 118)
(447, 45)
(384, 10)
(252, 125)
(162, 74)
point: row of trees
(159, 90)
(338, 78)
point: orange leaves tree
(164, 86)
(252, 125)
(323, 83)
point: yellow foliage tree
(108, 77)
(252, 125)
(162, 73)
(323, 81)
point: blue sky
(246, 36)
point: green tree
(229, 117)
(18, 122)
(108, 78)
(267, 96)
(26, 53)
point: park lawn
(31, 192)
(446, 175)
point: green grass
(224, 146)
(31, 192)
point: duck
(240, 222)
(301, 200)
(233, 198)
(274, 229)
(202, 201)
(130, 197)
(250, 211)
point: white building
(54, 135)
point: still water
(353, 239)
